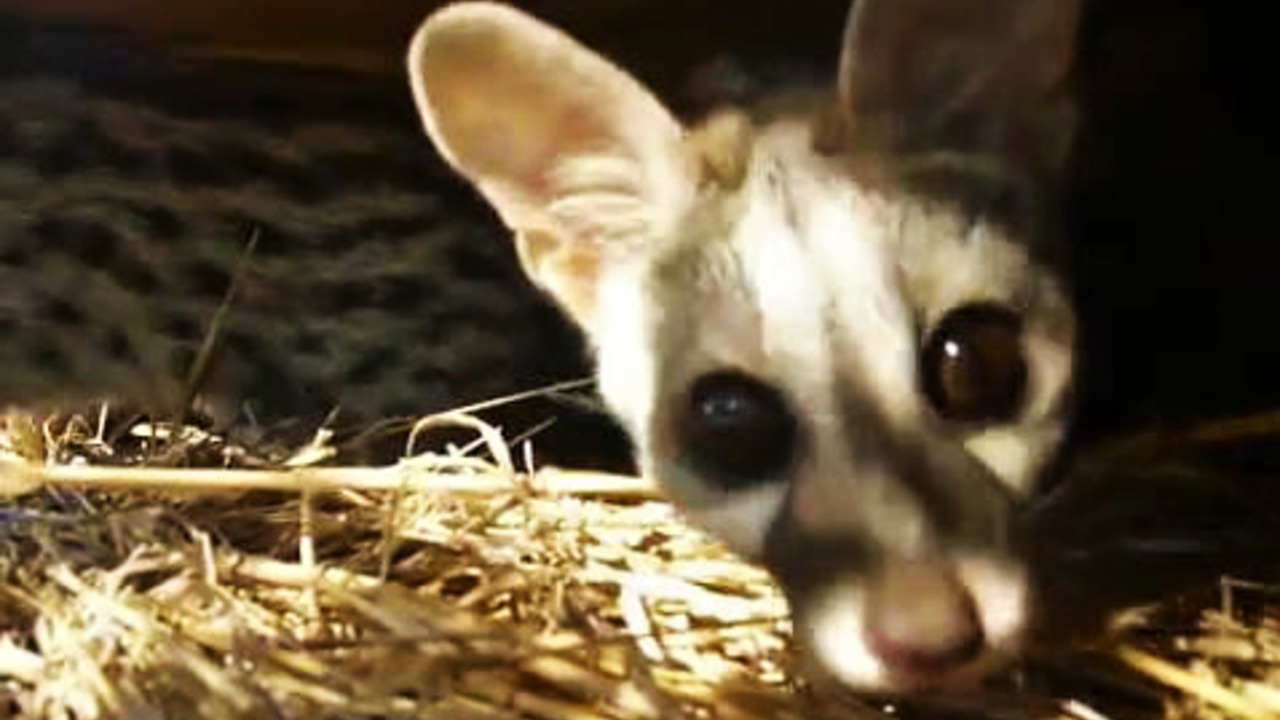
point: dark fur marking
(160, 222)
(180, 360)
(187, 166)
(181, 327)
(134, 275)
(15, 255)
(309, 342)
(297, 180)
(991, 196)
(866, 432)
(374, 364)
(339, 297)
(92, 243)
(46, 354)
(379, 229)
(206, 277)
(118, 346)
(60, 311)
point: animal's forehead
(849, 213)
(802, 265)
(752, 281)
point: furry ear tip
(447, 46)
(468, 13)
(472, 23)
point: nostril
(921, 620)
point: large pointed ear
(985, 76)
(574, 154)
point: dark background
(1171, 211)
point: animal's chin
(882, 677)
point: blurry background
(1172, 219)
(371, 35)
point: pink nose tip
(922, 621)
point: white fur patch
(624, 349)
(999, 590)
(791, 296)
(1006, 452)
(742, 520)
(836, 631)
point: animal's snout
(904, 624)
(921, 621)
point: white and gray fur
(815, 250)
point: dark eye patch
(736, 430)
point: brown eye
(972, 367)
(736, 430)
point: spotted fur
(129, 189)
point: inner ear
(507, 99)
(985, 76)
(575, 155)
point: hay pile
(169, 574)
